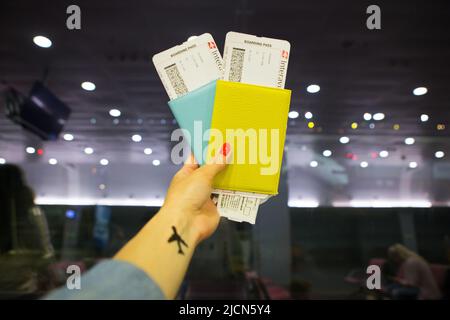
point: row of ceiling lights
(45, 42)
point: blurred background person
(25, 246)
(414, 277)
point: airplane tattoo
(177, 238)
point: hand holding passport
(240, 100)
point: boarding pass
(256, 60)
(189, 66)
(239, 206)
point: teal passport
(193, 112)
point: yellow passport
(253, 120)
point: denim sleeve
(111, 280)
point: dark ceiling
(359, 70)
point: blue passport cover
(195, 107)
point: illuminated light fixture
(148, 151)
(136, 138)
(313, 164)
(93, 121)
(396, 127)
(313, 88)
(88, 86)
(42, 41)
(303, 203)
(52, 161)
(104, 162)
(420, 91)
(114, 113)
(424, 117)
(310, 124)
(30, 150)
(378, 116)
(367, 116)
(413, 203)
(412, 165)
(2, 161)
(156, 162)
(70, 214)
(344, 140)
(102, 186)
(354, 125)
(374, 155)
(100, 201)
(439, 154)
(308, 115)
(409, 141)
(116, 121)
(384, 154)
(440, 126)
(372, 126)
(88, 150)
(68, 137)
(293, 114)
(192, 38)
(40, 152)
(327, 153)
(364, 164)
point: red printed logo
(211, 45)
(284, 54)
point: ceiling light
(344, 140)
(104, 162)
(30, 150)
(114, 113)
(293, 115)
(88, 150)
(327, 153)
(2, 161)
(42, 42)
(310, 124)
(424, 117)
(354, 125)
(384, 154)
(136, 138)
(440, 126)
(410, 141)
(52, 161)
(68, 137)
(378, 116)
(88, 86)
(313, 88)
(148, 151)
(372, 126)
(412, 165)
(308, 115)
(364, 164)
(156, 162)
(313, 164)
(439, 154)
(420, 91)
(396, 126)
(367, 116)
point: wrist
(183, 223)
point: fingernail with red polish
(226, 149)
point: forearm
(165, 262)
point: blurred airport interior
(366, 160)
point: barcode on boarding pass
(176, 80)
(237, 62)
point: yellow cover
(253, 120)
